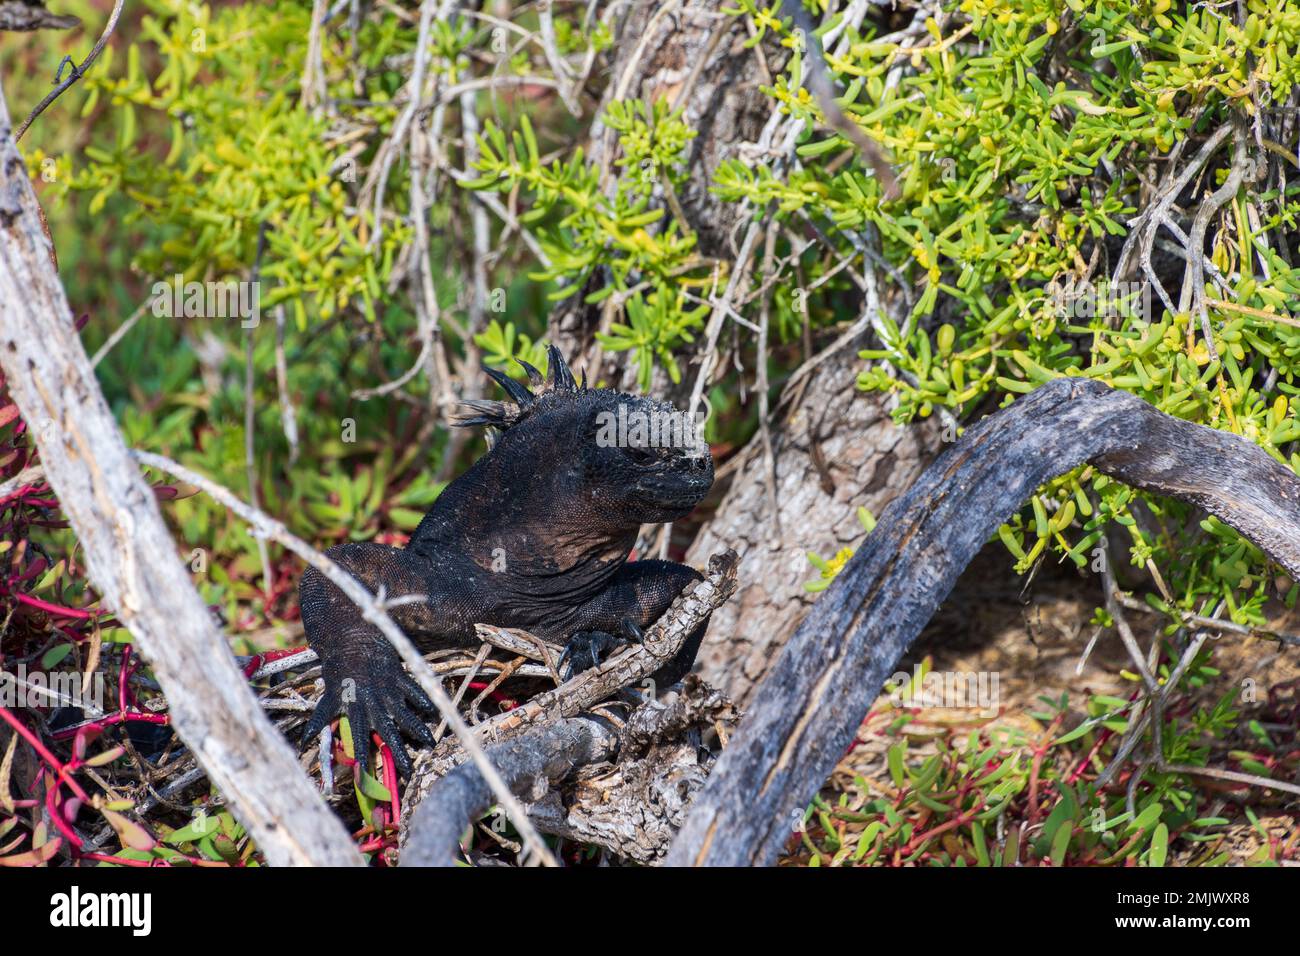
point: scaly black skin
(535, 535)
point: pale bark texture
(657, 49)
(835, 449)
(130, 557)
(530, 765)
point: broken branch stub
(807, 710)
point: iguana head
(598, 455)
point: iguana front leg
(363, 673)
(637, 596)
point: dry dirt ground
(1033, 641)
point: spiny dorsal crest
(504, 414)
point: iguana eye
(640, 456)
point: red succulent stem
(49, 608)
(62, 770)
(101, 723)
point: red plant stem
(122, 677)
(49, 608)
(1035, 768)
(390, 781)
(121, 717)
(121, 861)
(125, 699)
(375, 844)
(63, 771)
(258, 660)
(1102, 738)
(495, 695)
(960, 819)
(22, 492)
(62, 774)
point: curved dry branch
(661, 642)
(807, 710)
(529, 765)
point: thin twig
(250, 419)
(78, 71)
(764, 414)
(120, 332)
(288, 417)
(312, 93)
(546, 27)
(1193, 294)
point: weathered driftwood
(626, 668)
(130, 557)
(529, 764)
(808, 708)
(834, 450)
(634, 787)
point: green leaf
(55, 656)
(1159, 846)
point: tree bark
(656, 51)
(835, 449)
(130, 556)
(808, 708)
(530, 766)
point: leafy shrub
(1030, 138)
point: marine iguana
(536, 534)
